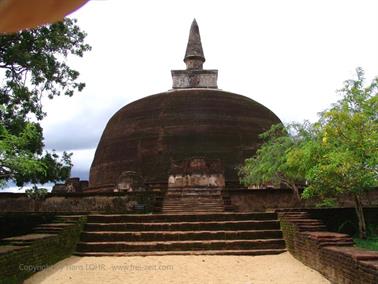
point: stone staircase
(40, 232)
(182, 234)
(303, 220)
(59, 223)
(196, 200)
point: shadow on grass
(371, 243)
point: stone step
(190, 191)
(196, 189)
(180, 245)
(51, 228)
(205, 194)
(178, 235)
(229, 208)
(295, 215)
(193, 252)
(192, 201)
(46, 231)
(192, 195)
(307, 220)
(192, 198)
(175, 232)
(25, 239)
(195, 208)
(183, 217)
(68, 218)
(192, 211)
(312, 228)
(185, 226)
(193, 204)
(55, 225)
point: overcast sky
(289, 55)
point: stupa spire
(194, 57)
(194, 76)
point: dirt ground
(280, 269)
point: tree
(337, 155)
(343, 159)
(270, 164)
(32, 66)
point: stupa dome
(194, 119)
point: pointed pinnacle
(194, 47)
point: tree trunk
(296, 192)
(360, 216)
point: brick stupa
(194, 121)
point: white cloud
(82, 160)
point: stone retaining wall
(243, 200)
(246, 200)
(21, 258)
(332, 254)
(80, 202)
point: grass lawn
(370, 244)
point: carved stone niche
(73, 184)
(130, 181)
(197, 172)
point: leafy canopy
(344, 157)
(33, 65)
(337, 155)
(270, 164)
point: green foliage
(372, 230)
(369, 243)
(21, 159)
(36, 192)
(337, 155)
(344, 157)
(33, 65)
(327, 203)
(270, 164)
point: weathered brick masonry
(121, 202)
(21, 256)
(243, 200)
(332, 254)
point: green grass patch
(370, 243)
